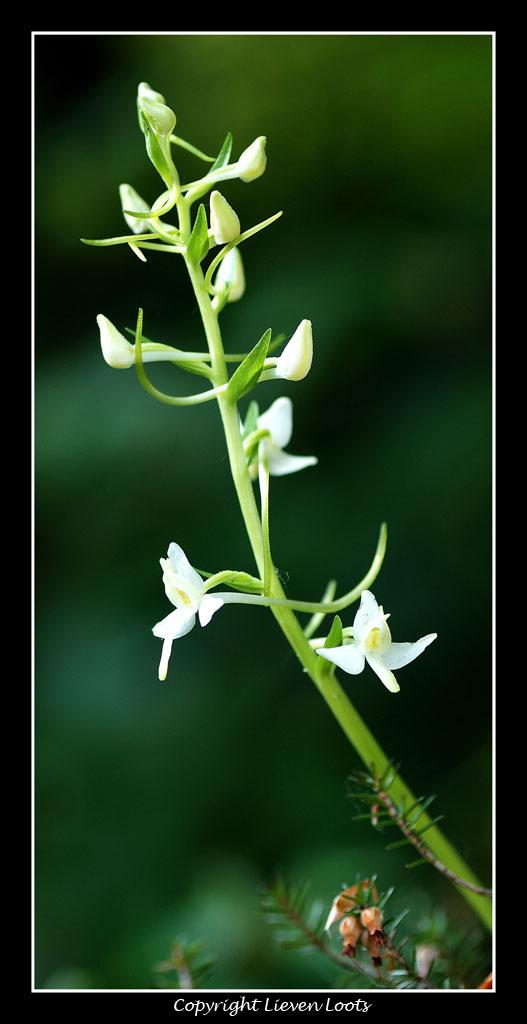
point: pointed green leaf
(248, 372)
(392, 926)
(223, 155)
(390, 775)
(251, 420)
(400, 842)
(430, 823)
(198, 244)
(334, 637)
(420, 810)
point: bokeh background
(162, 809)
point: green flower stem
(348, 718)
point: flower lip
(278, 420)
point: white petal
(208, 607)
(368, 610)
(278, 420)
(402, 654)
(175, 624)
(181, 565)
(349, 657)
(377, 664)
(281, 463)
(183, 585)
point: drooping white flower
(278, 420)
(295, 361)
(184, 587)
(372, 643)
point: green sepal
(248, 372)
(156, 153)
(198, 243)
(223, 155)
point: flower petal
(368, 610)
(380, 669)
(174, 625)
(402, 654)
(278, 420)
(281, 463)
(169, 629)
(209, 605)
(183, 585)
(349, 657)
(181, 565)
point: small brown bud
(371, 918)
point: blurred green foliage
(161, 808)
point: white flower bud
(224, 220)
(295, 361)
(253, 160)
(144, 92)
(117, 351)
(161, 118)
(231, 271)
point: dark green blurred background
(162, 808)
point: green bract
(244, 378)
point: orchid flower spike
(278, 420)
(372, 642)
(186, 589)
(295, 361)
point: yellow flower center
(373, 639)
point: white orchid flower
(372, 643)
(186, 589)
(278, 420)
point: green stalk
(348, 718)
